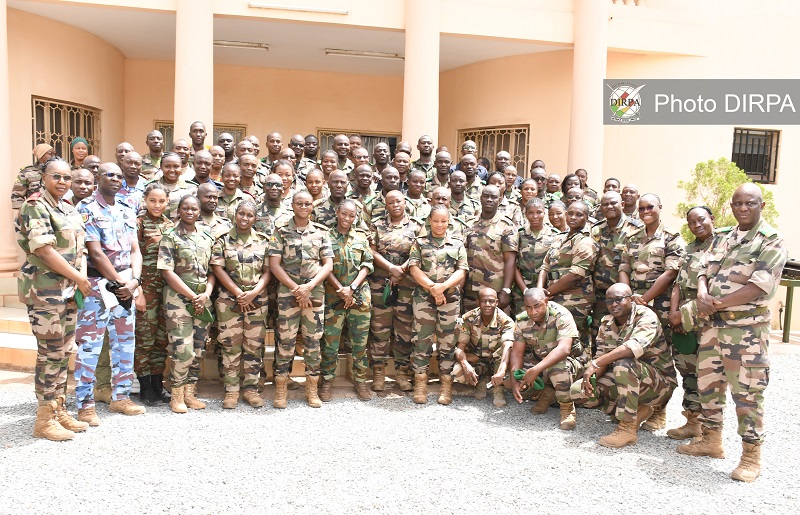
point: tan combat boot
(642, 414)
(709, 444)
(750, 463)
(568, 415)
(126, 407)
(231, 399)
(103, 394)
(89, 415)
(378, 378)
(46, 425)
(446, 392)
(65, 419)
(280, 392)
(326, 390)
(176, 403)
(421, 388)
(252, 398)
(658, 420)
(546, 398)
(498, 396)
(691, 429)
(403, 378)
(624, 434)
(312, 382)
(480, 389)
(189, 397)
(362, 392)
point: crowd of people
(538, 288)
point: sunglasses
(59, 177)
(273, 185)
(644, 209)
(617, 300)
(113, 175)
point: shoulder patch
(724, 229)
(767, 230)
(319, 226)
(522, 317)
(636, 222)
(34, 197)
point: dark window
(756, 152)
(57, 123)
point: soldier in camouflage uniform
(426, 160)
(508, 207)
(457, 227)
(611, 235)
(461, 204)
(249, 182)
(215, 225)
(390, 326)
(650, 262)
(113, 255)
(739, 275)
(630, 201)
(183, 258)
(440, 175)
(492, 246)
(375, 206)
(29, 179)
(535, 240)
(417, 204)
(484, 345)
(230, 196)
(151, 161)
(347, 299)
(438, 263)
(176, 187)
(633, 367)
(239, 263)
(474, 185)
(543, 345)
(50, 232)
(324, 212)
(151, 337)
(300, 257)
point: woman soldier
(535, 240)
(239, 264)
(183, 259)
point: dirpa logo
(625, 102)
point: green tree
(712, 184)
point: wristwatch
(138, 280)
(354, 287)
(507, 291)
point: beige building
(520, 75)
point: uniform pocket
(754, 372)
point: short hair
(704, 208)
(557, 203)
(187, 197)
(535, 201)
(499, 174)
(439, 207)
(154, 186)
(246, 203)
(348, 202)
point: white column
(421, 73)
(194, 66)
(8, 245)
(590, 28)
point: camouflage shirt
(393, 242)
(304, 166)
(149, 233)
(256, 191)
(113, 226)
(533, 248)
(541, 339)
(187, 254)
(511, 209)
(468, 209)
(215, 225)
(175, 192)
(227, 204)
(645, 258)
(242, 257)
(351, 253)
(133, 196)
(427, 168)
(28, 182)
(611, 243)
(434, 182)
(439, 258)
(691, 264)
(301, 250)
(43, 221)
(486, 242)
(575, 254)
(418, 208)
(324, 213)
(474, 191)
(486, 341)
(150, 163)
(267, 215)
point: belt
(736, 315)
(639, 285)
(93, 272)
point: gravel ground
(386, 456)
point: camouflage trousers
(687, 366)
(599, 310)
(241, 340)
(485, 367)
(54, 328)
(390, 327)
(357, 322)
(151, 335)
(293, 320)
(93, 322)
(737, 357)
(187, 337)
(580, 308)
(560, 376)
(432, 321)
(627, 384)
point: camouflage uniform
(533, 248)
(266, 217)
(215, 225)
(302, 252)
(427, 168)
(241, 334)
(511, 209)
(375, 208)
(150, 165)
(42, 221)
(324, 213)
(28, 182)
(456, 228)
(485, 342)
(611, 243)
(351, 253)
(646, 379)
(468, 209)
(188, 255)
(151, 336)
(474, 191)
(439, 259)
(390, 326)
(433, 182)
(486, 242)
(574, 254)
(114, 227)
(256, 191)
(418, 208)
(175, 192)
(347, 168)
(227, 204)
(541, 339)
(304, 166)
(734, 343)
(133, 196)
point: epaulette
(248, 194)
(522, 317)
(508, 219)
(767, 230)
(319, 226)
(460, 220)
(263, 234)
(281, 221)
(418, 220)
(68, 201)
(319, 201)
(369, 199)
(170, 230)
(724, 229)
(671, 232)
(205, 230)
(34, 197)
(636, 222)
(598, 223)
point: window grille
(491, 140)
(756, 152)
(167, 129)
(57, 123)
(369, 139)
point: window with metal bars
(368, 139)
(57, 123)
(491, 140)
(756, 152)
(167, 129)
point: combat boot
(46, 425)
(190, 399)
(326, 390)
(159, 392)
(642, 414)
(89, 415)
(378, 378)
(362, 392)
(65, 419)
(480, 389)
(568, 415)
(176, 403)
(709, 444)
(498, 396)
(231, 399)
(403, 378)
(624, 434)
(103, 394)
(750, 463)
(311, 392)
(252, 398)
(446, 392)
(280, 392)
(291, 384)
(421, 388)
(546, 398)
(146, 391)
(691, 429)
(658, 420)
(126, 407)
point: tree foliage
(712, 184)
